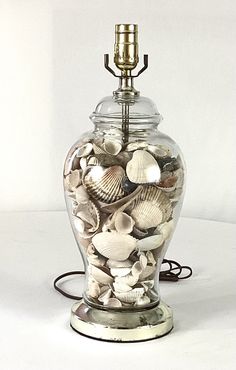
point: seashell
(147, 284)
(148, 271)
(143, 261)
(142, 300)
(157, 151)
(103, 159)
(93, 289)
(131, 296)
(101, 275)
(136, 145)
(123, 203)
(121, 287)
(84, 150)
(79, 225)
(112, 147)
(143, 168)
(113, 302)
(168, 180)
(115, 264)
(98, 149)
(139, 233)
(149, 243)
(83, 163)
(89, 213)
(120, 271)
(136, 268)
(180, 178)
(123, 223)
(150, 208)
(165, 229)
(90, 249)
(150, 258)
(81, 195)
(129, 279)
(73, 180)
(114, 245)
(96, 260)
(124, 158)
(105, 183)
(105, 295)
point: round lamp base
(121, 326)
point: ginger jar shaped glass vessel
(124, 185)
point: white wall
(52, 75)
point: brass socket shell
(126, 47)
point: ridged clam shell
(84, 150)
(123, 223)
(73, 180)
(150, 208)
(143, 168)
(123, 203)
(97, 148)
(131, 296)
(105, 183)
(149, 243)
(100, 275)
(114, 245)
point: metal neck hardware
(126, 59)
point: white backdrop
(52, 76)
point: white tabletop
(34, 319)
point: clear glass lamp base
(132, 326)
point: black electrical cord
(172, 273)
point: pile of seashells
(122, 198)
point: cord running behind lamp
(124, 185)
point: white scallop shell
(114, 245)
(157, 151)
(123, 223)
(143, 168)
(84, 150)
(105, 184)
(150, 208)
(73, 180)
(149, 243)
(131, 296)
(100, 275)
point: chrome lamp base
(121, 326)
